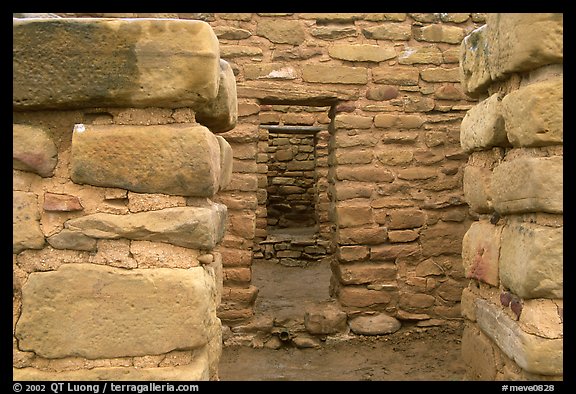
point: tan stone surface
(190, 227)
(476, 185)
(361, 52)
(361, 273)
(96, 311)
(531, 352)
(481, 252)
(483, 126)
(531, 260)
(528, 184)
(179, 159)
(89, 62)
(474, 53)
(33, 150)
(478, 354)
(26, 231)
(334, 74)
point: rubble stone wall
(513, 181)
(115, 169)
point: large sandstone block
(322, 73)
(531, 260)
(532, 353)
(474, 52)
(483, 126)
(26, 231)
(96, 311)
(481, 252)
(476, 186)
(221, 114)
(33, 150)
(534, 114)
(178, 159)
(528, 184)
(361, 52)
(190, 227)
(523, 41)
(93, 62)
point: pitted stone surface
(177, 159)
(483, 126)
(378, 324)
(531, 260)
(481, 252)
(190, 227)
(531, 352)
(90, 62)
(95, 311)
(26, 231)
(33, 150)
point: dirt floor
(410, 354)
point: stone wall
(115, 169)
(384, 90)
(513, 182)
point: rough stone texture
(334, 74)
(361, 52)
(61, 202)
(197, 370)
(483, 126)
(481, 252)
(474, 53)
(138, 158)
(103, 312)
(67, 239)
(281, 31)
(476, 181)
(534, 114)
(531, 260)
(324, 319)
(528, 184)
(478, 354)
(221, 114)
(378, 324)
(531, 352)
(26, 231)
(91, 62)
(190, 227)
(226, 162)
(523, 41)
(33, 150)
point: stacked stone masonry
(115, 172)
(513, 182)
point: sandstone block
(406, 218)
(389, 31)
(476, 184)
(93, 62)
(531, 260)
(275, 91)
(281, 31)
(348, 121)
(440, 74)
(26, 231)
(442, 238)
(543, 318)
(333, 32)
(33, 150)
(362, 297)
(178, 159)
(481, 252)
(67, 239)
(362, 273)
(221, 113)
(397, 75)
(393, 251)
(362, 235)
(474, 53)
(96, 311)
(523, 41)
(478, 354)
(361, 52)
(347, 190)
(483, 126)
(353, 253)
(364, 173)
(322, 73)
(534, 114)
(398, 121)
(324, 319)
(427, 54)
(353, 215)
(528, 184)
(440, 33)
(61, 202)
(226, 162)
(378, 324)
(190, 227)
(531, 352)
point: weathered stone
(234, 51)
(333, 32)
(406, 218)
(162, 255)
(332, 17)
(92, 62)
(442, 238)
(440, 33)
(306, 342)
(114, 312)
(483, 126)
(281, 31)
(273, 91)
(478, 354)
(61, 202)
(474, 53)
(377, 324)
(543, 318)
(226, 160)
(269, 71)
(393, 251)
(450, 290)
(397, 75)
(448, 92)
(322, 73)
(197, 370)
(67, 239)
(416, 301)
(353, 253)
(26, 231)
(348, 121)
(523, 41)
(388, 31)
(534, 114)
(231, 33)
(353, 215)
(33, 150)
(362, 235)
(398, 121)
(381, 93)
(528, 184)
(361, 52)
(362, 273)
(362, 297)
(531, 352)
(402, 235)
(190, 227)
(531, 260)
(364, 173)
(221, 114)
(440, 74)
(179, 159)
(324, 319)
(427, 54)
(481, 252)
(395, 156)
